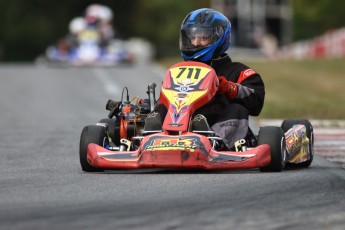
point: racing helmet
(95, 12)
(204, 35)
(77, 25)
(106, 14)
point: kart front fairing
(186, 151)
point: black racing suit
(229, 118)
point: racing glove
(228, 88)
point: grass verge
(311, 89)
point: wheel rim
(283, 149)
(105, 142)
(311, 145)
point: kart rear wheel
(90, 134)
(275, 138)
(287, 124)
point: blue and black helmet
(204, 35)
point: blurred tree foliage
(27, 27)
(315, 17)
(159, 21)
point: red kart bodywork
(187, 86)
(187, 151)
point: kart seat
(199, 123)
(153, 123)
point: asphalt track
(42, 186)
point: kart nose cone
(173, 159)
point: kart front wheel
(90, 134)
(275, 138)
(287, 124)
(112, 129)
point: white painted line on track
(109, 86)
(330, 143)
(316, 123)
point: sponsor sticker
(173, 143)
(248, 72)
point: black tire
(111, 129)
(90, 134)
(275, 138)
(287, 124)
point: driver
(100, 17)
(205, 37)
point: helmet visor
(193, 39)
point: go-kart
(123, 141)
(88, 52)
